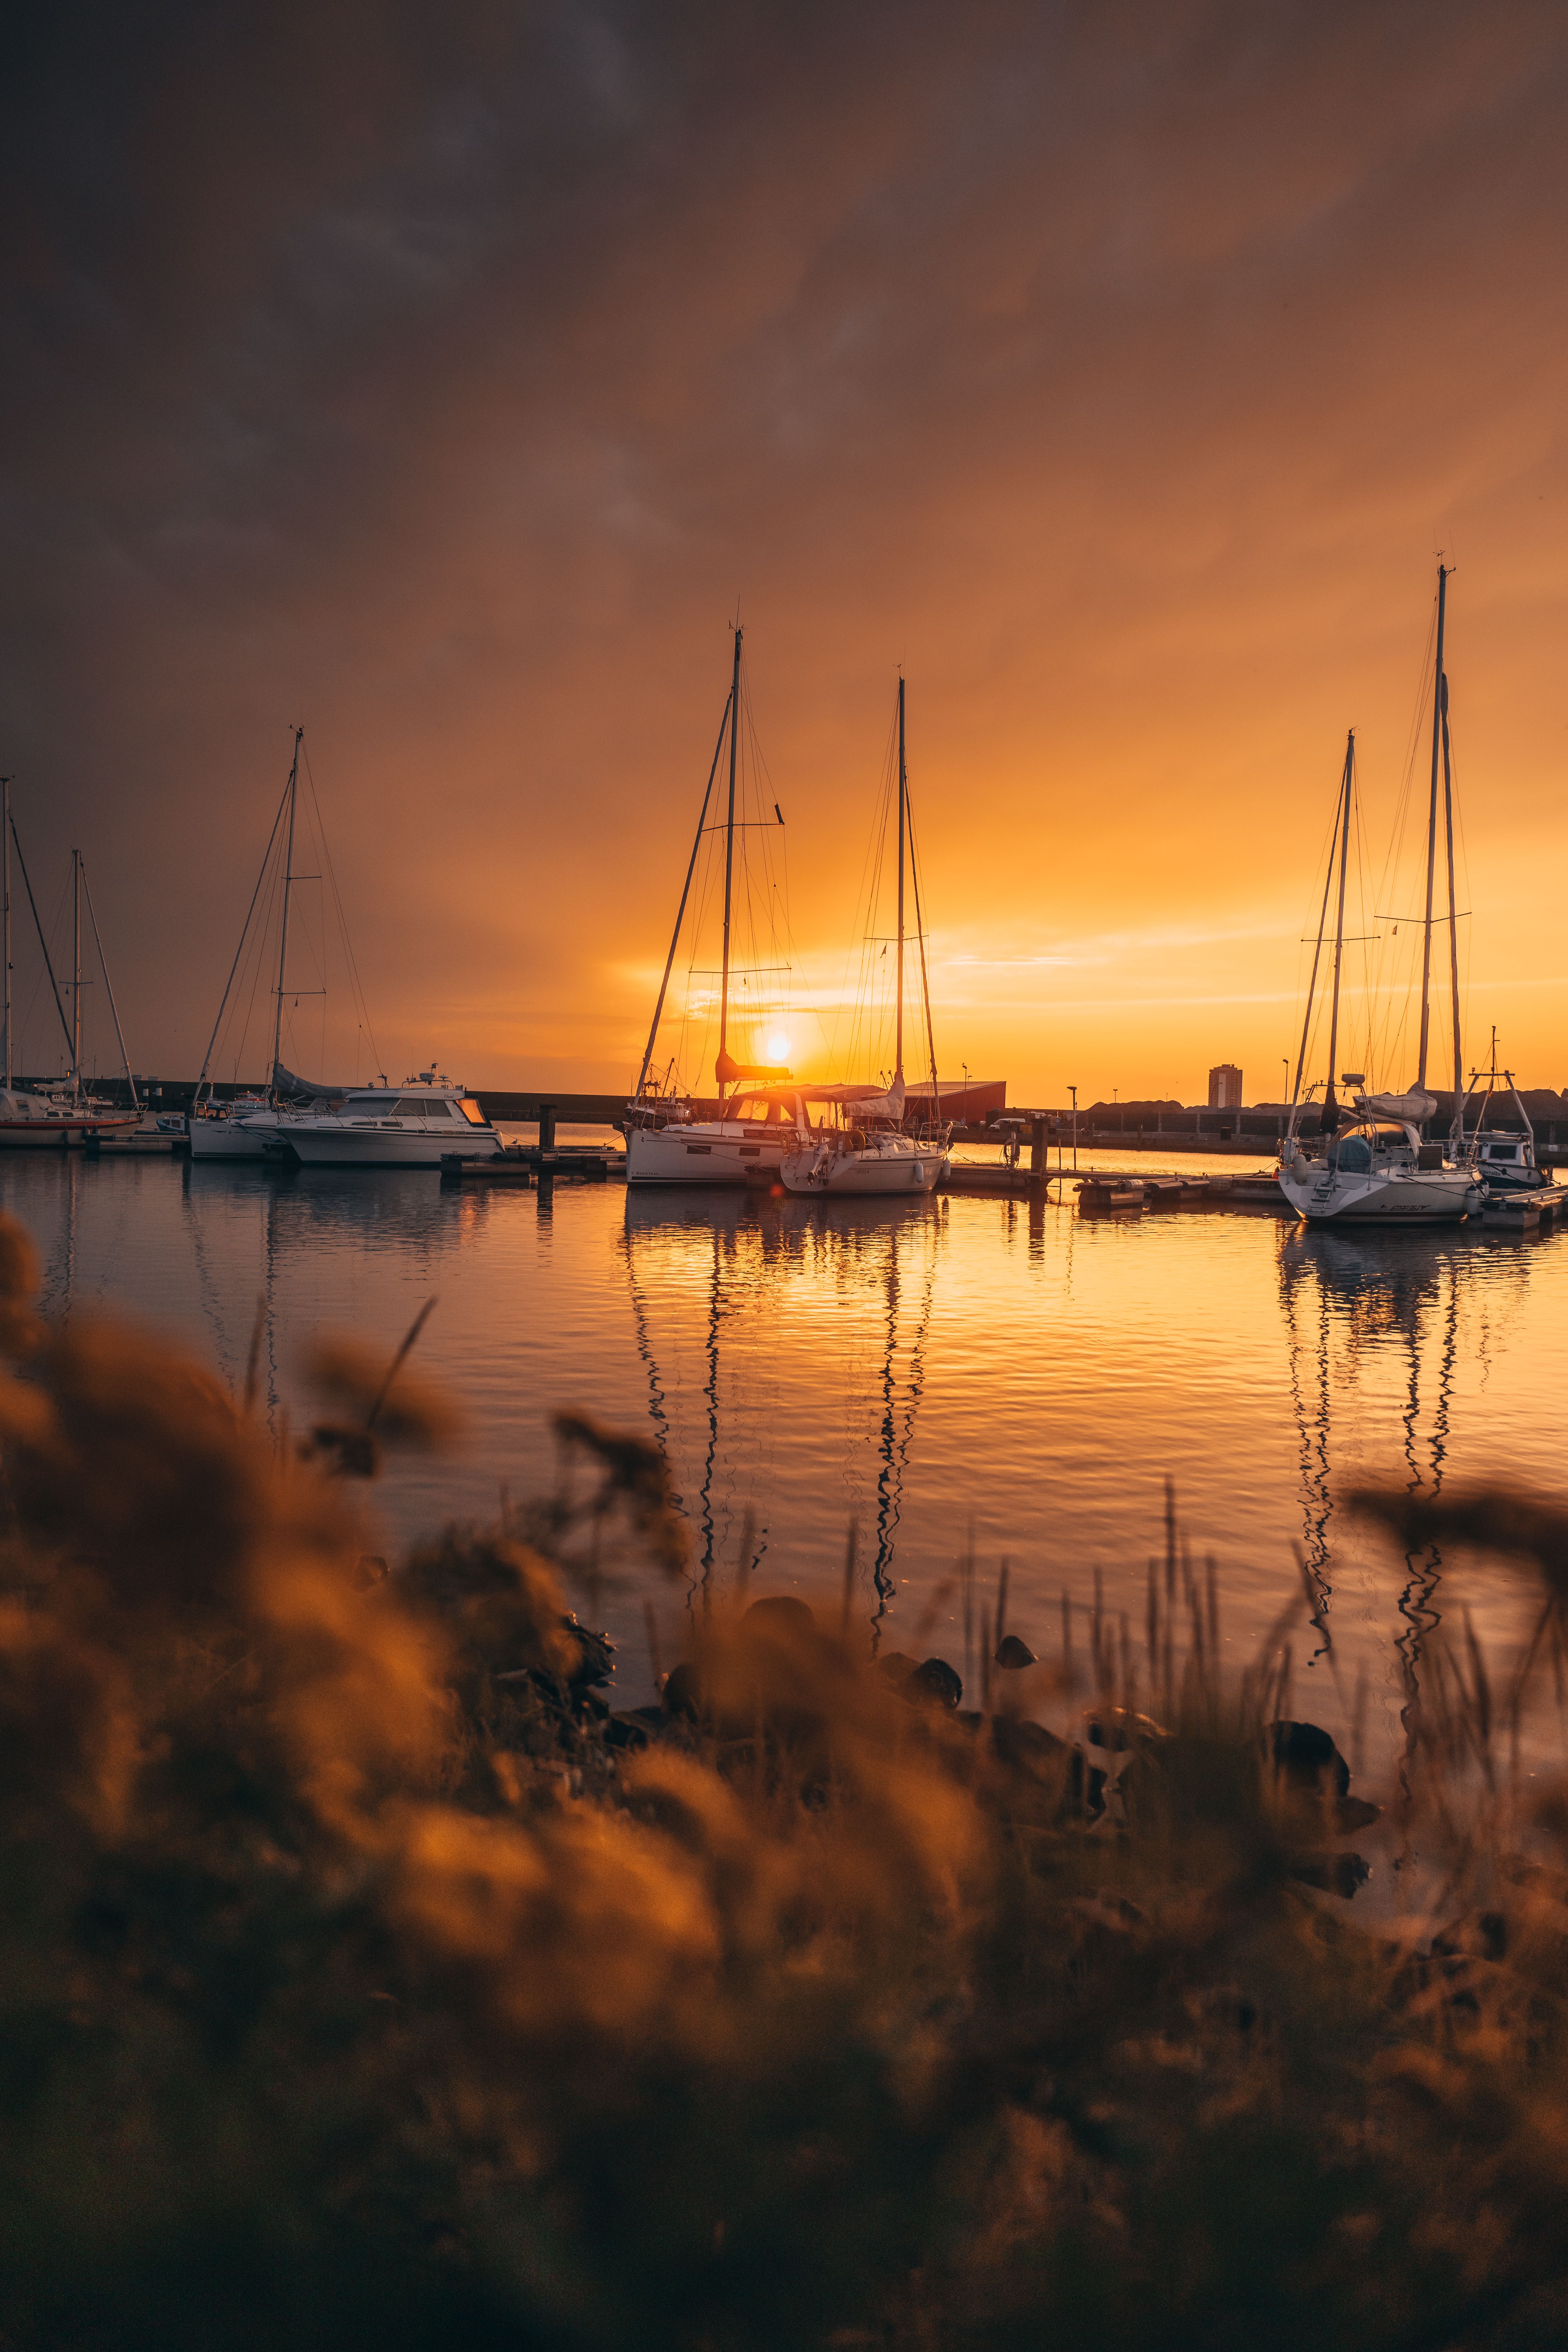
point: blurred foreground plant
(364, 1980)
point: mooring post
(1037, 1155)
(546, 1127)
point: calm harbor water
(1005, 1374)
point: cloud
(448, 380)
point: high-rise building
(1225, 1087)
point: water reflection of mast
(60, 1284)
(269, 1297)
(840, 1239)
(1423, 1569)
(658, 1411)
(206, 1288)
(700, 1508)
(895, 1443)
(1317, 1499)
(710, 1394)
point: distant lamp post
(1073, 1091)
(1286, 1096)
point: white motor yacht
(409, 1125)
(1505, 1161)
(1502, 1158)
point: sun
(778, 1046)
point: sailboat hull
(229, 1139)
(34, 1123)
(893, 1169)
(1419, 1197)
(709, 1151)
(53, 1134)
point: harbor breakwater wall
(1121, 1127)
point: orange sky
(1121, 370)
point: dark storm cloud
(442, 376)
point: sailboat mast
(6, 889)
(903, 786)
(1452, 915)
(76, 985)
(730, 856)
(680, 910)
(1331, 1108)
(43, 942)
(925, 983)
(1432, 832)
(228, 986)
(283, 942)
(1312, 976)
(108, 985)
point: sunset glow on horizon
(1118, 374)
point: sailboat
(859, 1146)
(1369, 1164)
(65, 1114)
(248, 1126)
(757, 1122)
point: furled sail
(1413, 1109)
(889, 1106)
(284, 1082)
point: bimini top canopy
(890, 1101)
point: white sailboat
(238, 1129)
(756, 1125)
(250, 1126)
(67, 1114)
(1369, 1165)
(859, 1146)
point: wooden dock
(138, 1145)
(529, 1164)
(1099, 1188)
(1111, 1194)
(1520, 1211)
